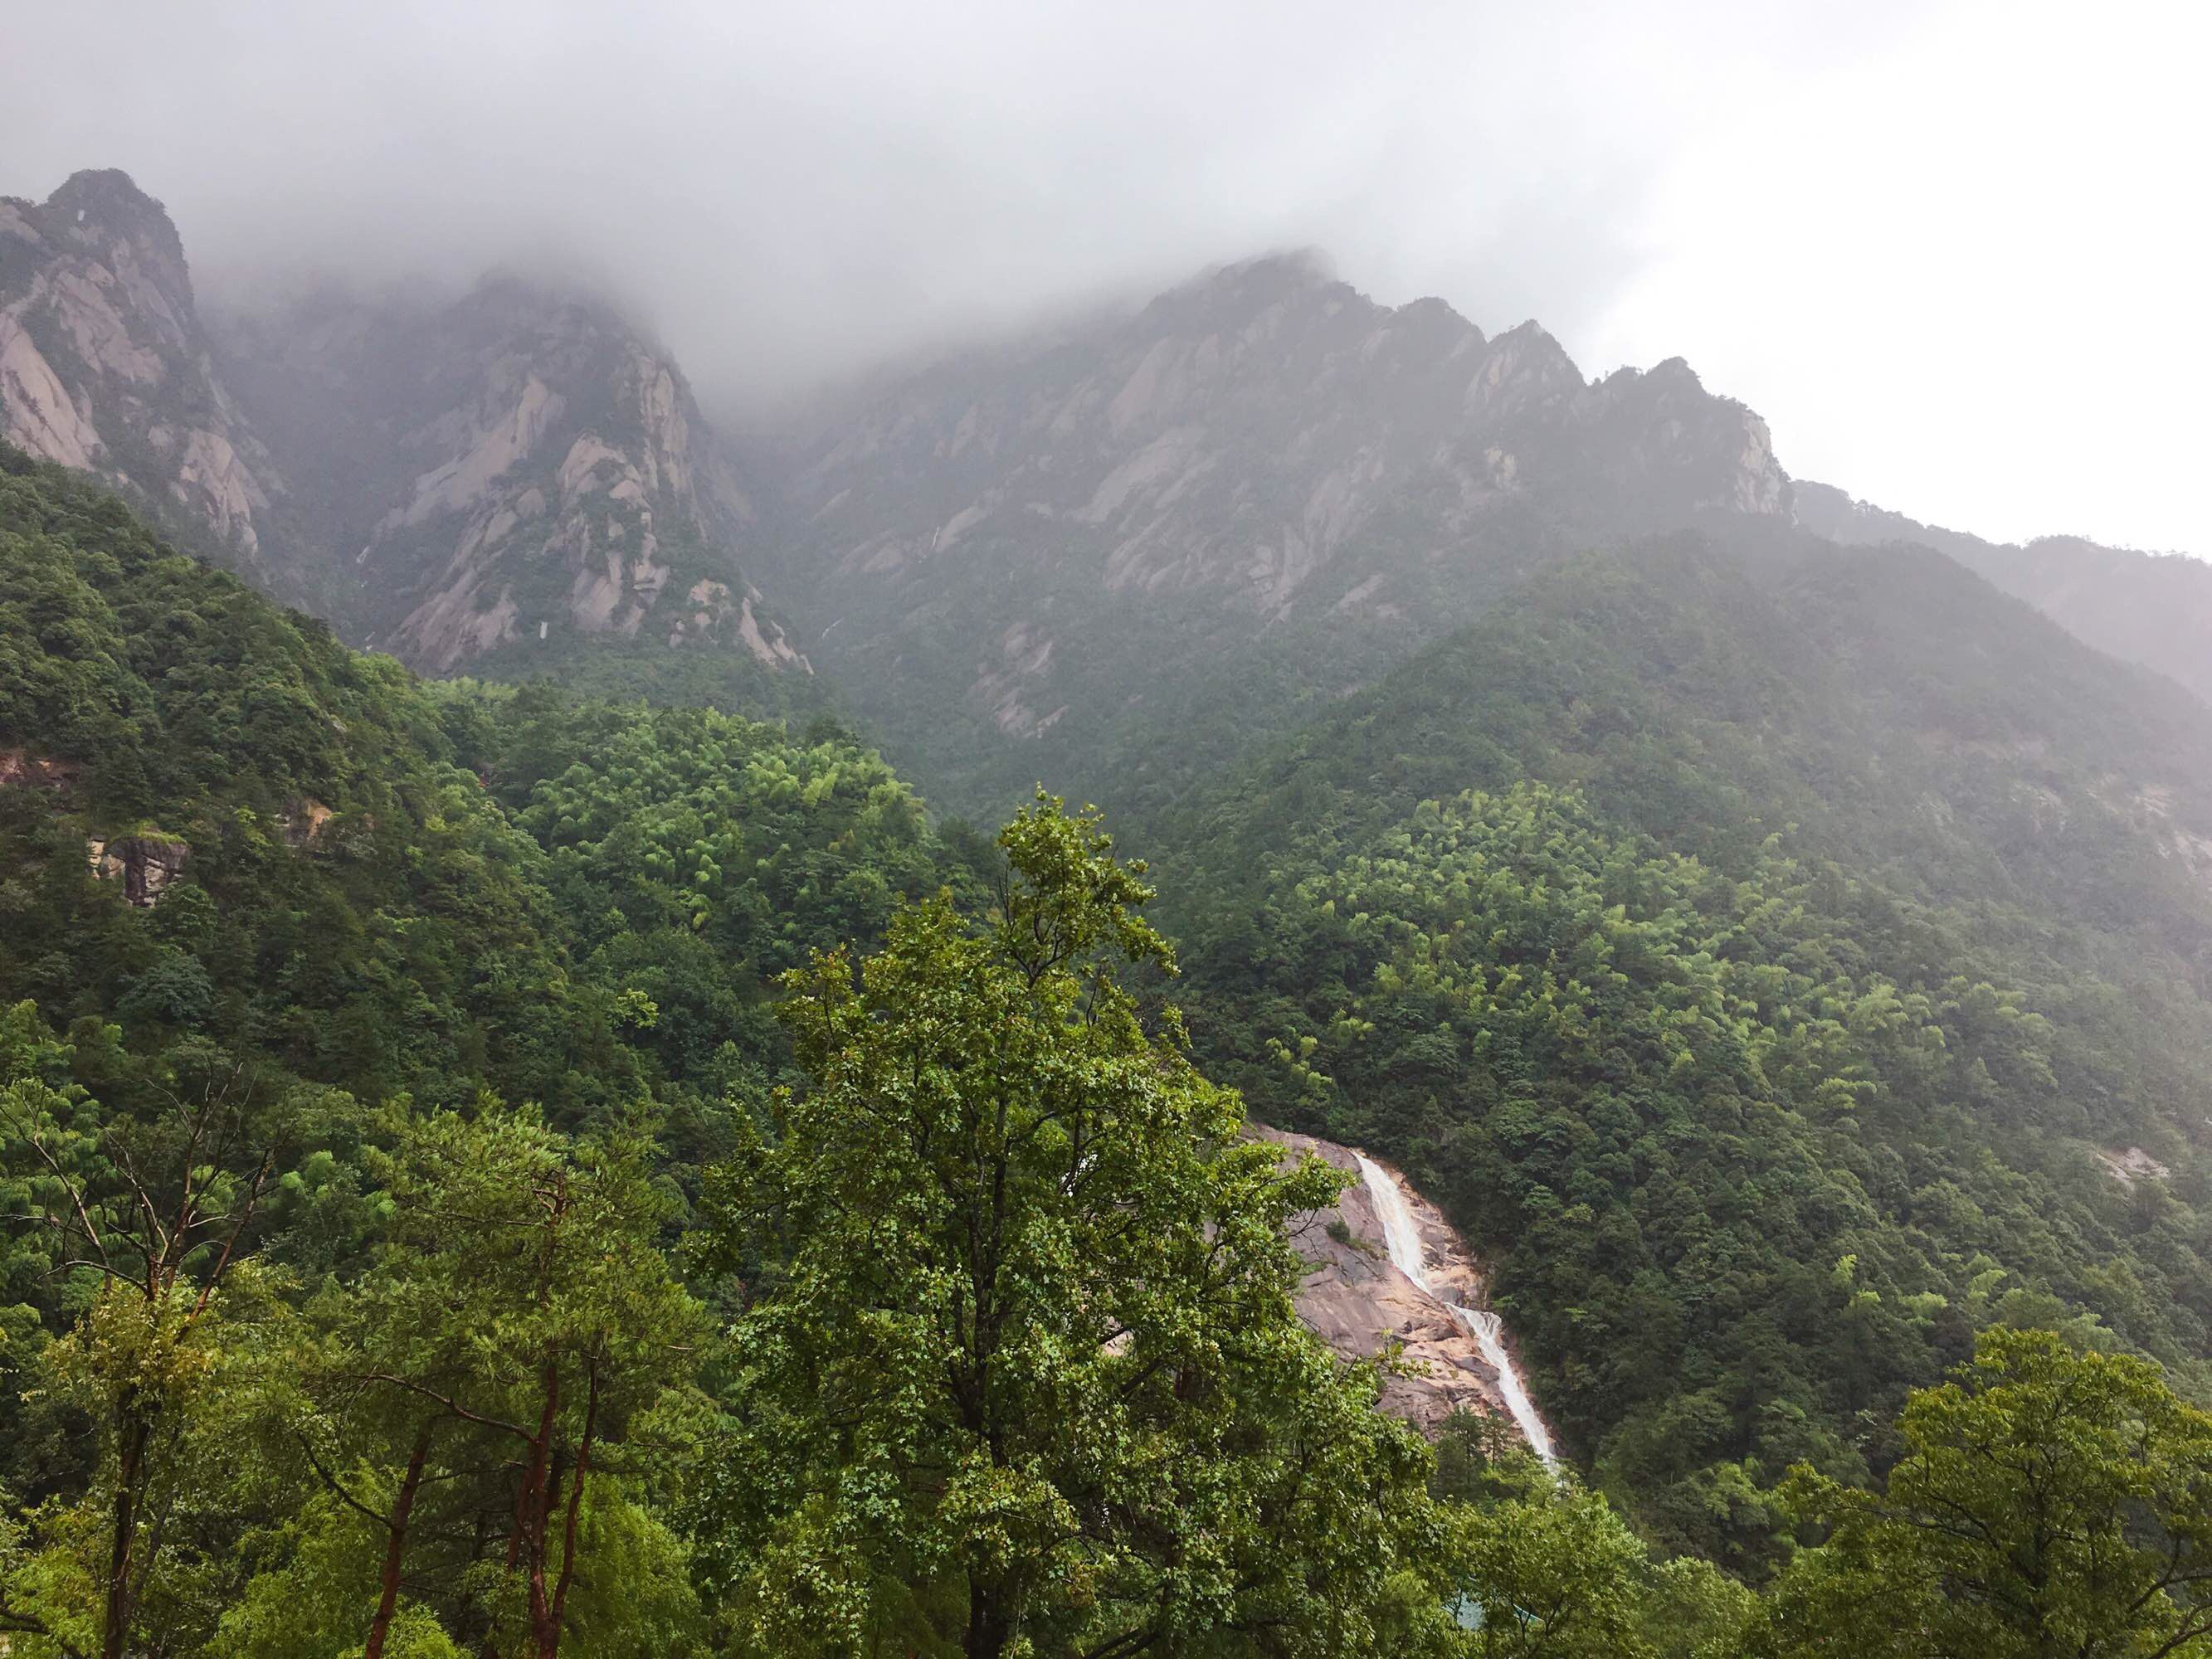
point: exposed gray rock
(144, 864)
(2130, 1164)
(510, 469)
(440, 479)
(302, 821)
(20, 770)
(1361, 1305)
(1262, 466)
(104, 366)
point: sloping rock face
(104, 366)
(514, 470)
(1063, 531)
(1359, 1302)
(2149, 608)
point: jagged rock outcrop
(1059, 533)
(145, 863)
(1246, 433)
(2154, 609)
(24, 770)
(104, 366)
(515, 469)
(1355, 1300)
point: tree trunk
(515, 1535)
(549, 1647)
(544, 1482)
(130, 1468)
(395, 1546)
(990, 1621)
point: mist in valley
(1217, 829)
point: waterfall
(1403, 1239)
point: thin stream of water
(1402, 1237)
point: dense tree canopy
(492, 1172)
(1033, 1342)
(1625, 924)
(2049, 1501)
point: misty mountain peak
(104, 366)
(103, 208)
(1262, 453)
(515, 470)
(1283, 270)
(1231, 296)
(108, 194)
(1524, 369)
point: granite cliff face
(1264, 460)
(2147, 608)
(104, 366)
(513, 469)
(1249, 437)
(1363, 1306)
(516, 472)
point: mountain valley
(504, 851)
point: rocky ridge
(1245, 433)
(1258, 490)
(105, 367)
(447, 479)
(1262, 462)
(511, 469)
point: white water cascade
(1403, 1238)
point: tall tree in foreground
(2050, 1503)
(470, 1426)
(1030, 1378)
(150, 1222)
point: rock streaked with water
(1358, 1298)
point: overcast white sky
(1954, 252)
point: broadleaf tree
(1021, 1372)
(2051, 1500)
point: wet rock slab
(1356, 1299)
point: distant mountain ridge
(1262, 474)
(2154, 609)
(514, 470)
(1058, 557)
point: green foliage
(696, 855)
(1029, 1353)
(1625, 925)
(510, 1356)
(386, 902)
(1539, 1565)
(1753, 959)
(2050, 1500)
(149, 1224)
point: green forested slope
(1753, 957)
(354, 1103)
(403, 941)
(392, 883)
(379, 888)
(464, 1194)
